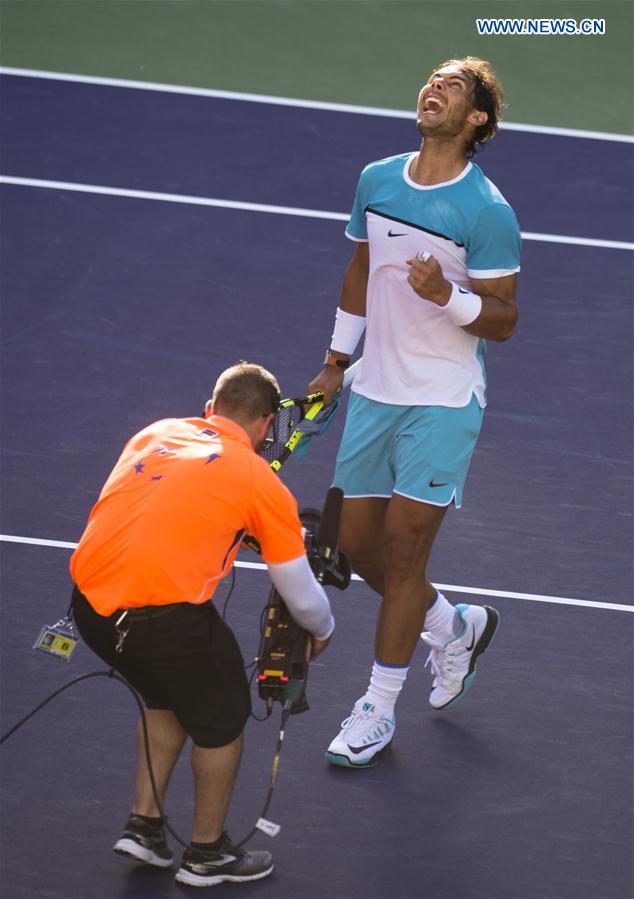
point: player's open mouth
(433, 105)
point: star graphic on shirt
(139, 467)
(212, 457)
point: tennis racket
(296, 418)
(289, 426)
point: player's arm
(355, 281)
(498, 316)
(487, 310)
(349, 324)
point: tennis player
(433, 276)
(165, 530)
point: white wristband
(347, 333)
(463, 306)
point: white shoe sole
(132, 850)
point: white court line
(291, 101)
(479, 591)
(173, 198)
(264, 207)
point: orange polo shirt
(171, 516)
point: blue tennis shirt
(413, 353)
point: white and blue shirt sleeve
(357, 227)
(494, 243)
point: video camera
(282, 669)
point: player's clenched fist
(428, 281)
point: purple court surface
(119, 310)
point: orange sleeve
(276, 523)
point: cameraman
(163, 533)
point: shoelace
(443, 664)
(355, 723)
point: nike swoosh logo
(463, 291)
(431, 484)
(391, 234)
(469, 648)
(357, 749)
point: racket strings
(280, 432)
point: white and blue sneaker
(453, 663)
(363, 736)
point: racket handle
(328, 532)
(424, 256)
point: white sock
(386, 683)
(442, 619)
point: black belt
(146, 613)
(125, 618)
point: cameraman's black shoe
(144, 842)
(203, 869)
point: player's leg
(361, 537)
(410, 529)
(455, 636)
(429, 458)
(364, 473)
(408, 534)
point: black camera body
(282, 656)
(282, 661)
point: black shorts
(186, 660)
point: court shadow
(468, 747)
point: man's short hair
(247, 391)
(487, 97)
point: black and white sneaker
(144, 842)
(204, 869)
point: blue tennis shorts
(421, 452)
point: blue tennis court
(126, 290)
